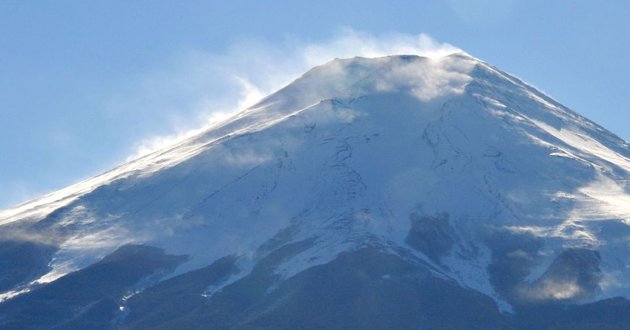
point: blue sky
(84, 85)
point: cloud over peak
(202, 88)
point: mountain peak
(426, 78)
(444, 172)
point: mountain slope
(399, 178)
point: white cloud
(350, 43)
(603, 199)
(428, 81)
(553, 289)
(202, 87)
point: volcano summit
(392, 192)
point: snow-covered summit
(445, 162)
(427, 78)
(337, 79)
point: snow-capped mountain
(392, 192)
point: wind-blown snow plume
(203, 88)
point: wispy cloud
(202, 87)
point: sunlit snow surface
(342, 157)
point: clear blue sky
(82, 83)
